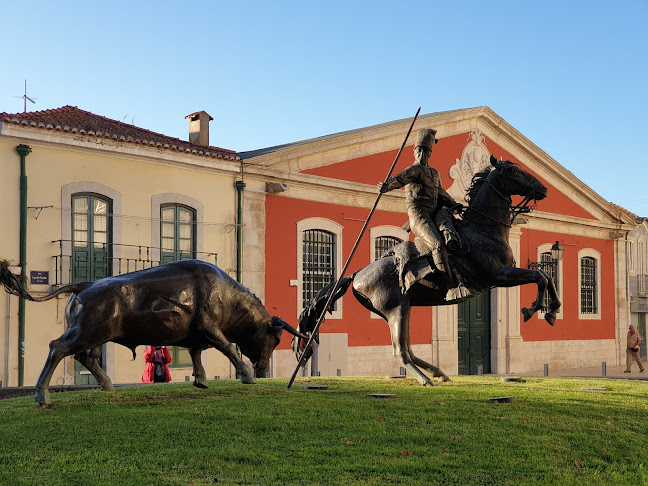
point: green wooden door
(474, 334)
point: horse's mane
(479, 178)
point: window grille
(318, 269)
(384, 243)
(550, 267)
(588, 286)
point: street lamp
(557, 251)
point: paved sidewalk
(613, 372)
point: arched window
(318, 260)
(589, 287)
(555, 270)
(551, 269)
(384, 237)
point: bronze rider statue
(426, 203)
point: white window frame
(67, 191)
(592, 253)
(326, 225)
(546, 248)
(157, 201)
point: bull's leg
(92, 364)
(59, 349)
(200, 377)
(398, 319)
(216, 339)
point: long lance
(302, 360)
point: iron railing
(113, 259)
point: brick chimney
(199, 127)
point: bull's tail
(313, 310)
(13, 286)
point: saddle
(414, 264)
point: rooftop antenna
(25, 98)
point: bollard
(603, 369)
(403, 371)
(339, 372)
(546, 370)
(186, 378)
(480, 370)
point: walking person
(632, 351)
(157, 360)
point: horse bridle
(514, 210)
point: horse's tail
(313, 310)
(13, 286)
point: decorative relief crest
(474, 158)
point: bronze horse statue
(487, 261)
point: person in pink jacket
(157, 359)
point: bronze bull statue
(187, 303)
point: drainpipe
(23, 151)
(240, 185)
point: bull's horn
(279, 322)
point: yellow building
(103, 198)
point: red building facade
(331, 187)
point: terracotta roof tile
(74, 120)
(627, 212)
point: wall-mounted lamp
(557, 251)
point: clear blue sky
(570, 75)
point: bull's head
(260, 351)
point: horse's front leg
(512, 277)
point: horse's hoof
(445, 379)
(526, 314)
(550, 318)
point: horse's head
(513, 180)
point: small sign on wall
(39, 277)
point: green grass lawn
(556, 433)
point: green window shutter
(91, 237)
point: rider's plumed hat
(426, 138)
